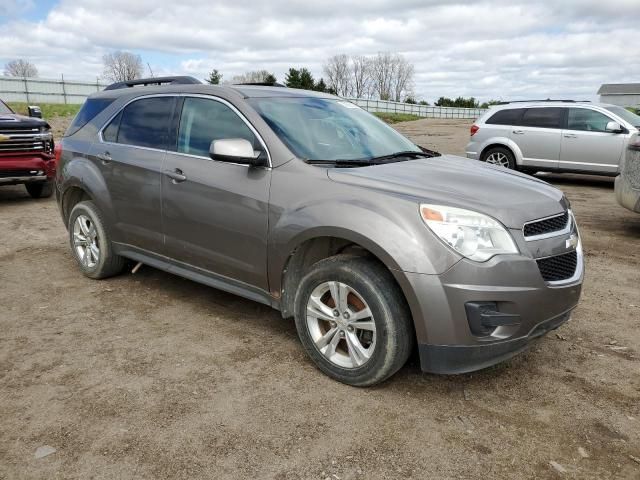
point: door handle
(519, 132)
(105, 157)
(176, 175)
(570, 135)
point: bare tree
(403, 79)
(256, 76)
(361, 76)
(338, 74)
(20, 68)
(392, 76)
(122, 66)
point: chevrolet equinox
(307, 203)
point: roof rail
(262, 84)
(545, 100)
(180, 80)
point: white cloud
(490, 49)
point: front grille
(547, 225)
(24, 140)
(559, 267)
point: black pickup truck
(26, 151)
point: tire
(40, 189)
(500, 156)
(87, 230)
(368, 285)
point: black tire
(394, 335)
(504, 151)
(40, 189)
(108, 264)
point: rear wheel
(353, 321)
(500, 156)
(91, 244)
(40, 189)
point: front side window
(328, 129)
(543, 117)
(144, 123)
(204, 120)
(587, 120)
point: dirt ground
(152, 376)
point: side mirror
(236, 150)
(614, 127)
(35, 111)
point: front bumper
(512, 283)
(17, 169)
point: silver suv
(563, 136)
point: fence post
(64, 90)
(26, 89)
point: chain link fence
(42, 90)
(426, 111)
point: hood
(13, 120)
(511, 197)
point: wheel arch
(503, 143)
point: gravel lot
(153, 376)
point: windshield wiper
(405, 154)
(359, 162)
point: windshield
(329, 129)
(626, 115)
(4, 109)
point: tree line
(387, 76)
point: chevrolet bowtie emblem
(572, 241)
(4, 138)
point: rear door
(130, 156)
(539, 136)
(215, 214)
(586, 145)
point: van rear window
(91, 108)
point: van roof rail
(545, 100)
(179, 80)
(260, 84)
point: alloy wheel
(85, 241)
(341, 324)
(498, 158)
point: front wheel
(353, 320)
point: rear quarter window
(510, 116)
(91, 108)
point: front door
(586, 145)
(215, 214)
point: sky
(494, 49)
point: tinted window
(509, 116)
(110, 134)
(588, 120)
(91, 108)
(145, 123)
(543, 117)
(203, 121)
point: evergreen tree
(215, 77)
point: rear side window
(587, 120)
(91, 108)
(145, 123)
(510, 116)
(203, 121)
(543, 117)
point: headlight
(472, 234)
